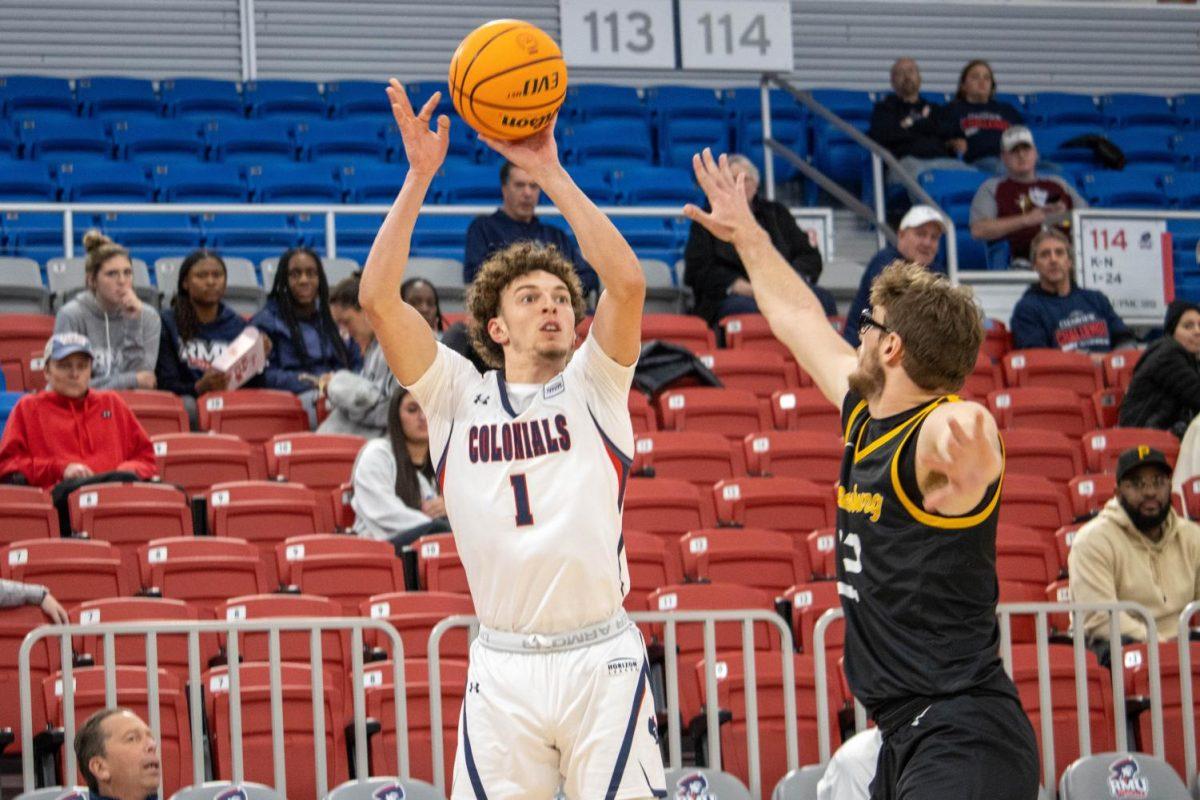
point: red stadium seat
(791, 505)
(320, 461)
(262, 513)
(26, 513)
(253, 415)
(175, 743)
(128, 515)
(381, 707)
(1064, 537)
(293, 645)
(413, 615)
(35, 373)
(811, 455)
(183, 568)
(1059, 592)
(1089, 493)
(1030, 560)
(653, 562)
(74, 570)
(1102, 448)
(343, 512)
(997, 340)
(689, 637)
(21, 334)
(1024, 627)
(751, 332)
(641, 413)
(762, 559)
(681, 329)
(1046, 409)
(1106, 405)
(438, 565)
(131, 650)
(257, 740)
(761, 373)
(984, 379)
(666, 507)
(1191, 497)
(196, 461)
(346, 569)
(1118, 367)
(804, 410)
(1053, 369)
(808, 602)
(158, 412)
(822, 552)
(1034, 502)
(731, 412)
(696, 456)
(44, 658)
(1032, 452)
(1137, 676)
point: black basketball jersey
(919, 590)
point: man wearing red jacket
(71, 435)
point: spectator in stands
(972, 122)
(196, 329)
(1164, 391)
(118, 756)
(1015, 206)
(516, 221)
(906, 123)
(421, 295)
(15, 593)
(717, 276)
(69, 435)
(395, 489)
(306, 344)
(122, 329)
(1137, 549)
(1054, 312)
(357, 401)
(917, 241)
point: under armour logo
(473, 687)
(481, 400)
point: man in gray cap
(1014, 206)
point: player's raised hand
(535, 154)
(968, 460)
(425, 148)
(726, 194)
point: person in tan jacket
(1137, 549)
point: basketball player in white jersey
(532, 459)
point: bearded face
(868, 379)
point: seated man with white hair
(715, 273)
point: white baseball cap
(1014, 137)
(919, 215)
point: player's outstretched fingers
(427, 110)
(399, 99)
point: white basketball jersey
(534, 494)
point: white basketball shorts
(579, 716)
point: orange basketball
(507, 79)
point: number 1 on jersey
(521, 497)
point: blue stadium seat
(953, 190)
(356, 233)
(839, 156)
(1145, 145)
(440, 234)
(34, 228)
(465, 183)
(153, 236)
(117, 97)
(972, 253)
(612, 144)
(684, 102)
(1187, 110)
(1126, 110)
(151, 140)
(1050, 143)
(659, 186)
(1059, 108)
(790, 132)
(1186, 147)
(1015, 100)
(26, 180)
(252, 236)
(1185, 236)
(358, 99)
(340, 141)
(371, 184)
(103, 182)
(199, 183)
(851, 105)
(591, 102)
(249, 141)
(63, 139)
(745, 104)
(283, 98)
(1126, 189)
(202, 98)
(9, 146)
(292, 183)
(648, 232)
(36, 94)
(1183, 189)
(680, 139)
(419, 92)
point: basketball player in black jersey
(918, 498)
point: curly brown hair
(501, 269)
(939, 323)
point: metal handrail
(1186, 698)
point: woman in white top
(395, 492)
